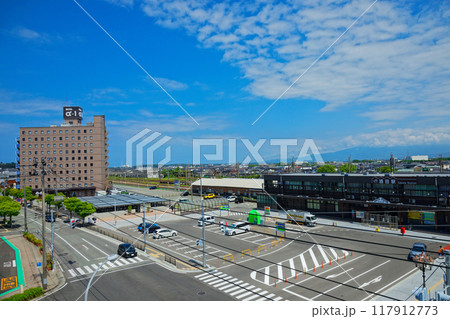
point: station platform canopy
(121, 200)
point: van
(207, 219)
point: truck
(296, 216)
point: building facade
(415, 200)
(77, 155)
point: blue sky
(385, 82)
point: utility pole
(203, 218)
(43, 168)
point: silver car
(164, 232)
(237, 228)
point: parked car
(150, 227)
(207, 219)
(152, 187)
(239, 200)
(231, 198)
(209, 196)
(416, 250)
(164, 232)
(185, 193)
(237, 228)
(184, 200)
(126, 250)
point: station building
(413, 200)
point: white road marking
(262, 293)
(89, 270)
(324, 256)
(305, 266)
(80, 270)
(266, 277)
(237, 287)
(202, 275)
(292, 266)
(231, 284)
(221, 278)
(85, 247)
(95, 247)
(334, 253)
(226, 280)
(118, 263)
(313, 257)
(336, 275)
(373, 281)
(72, 273)
(280, 271)
(234, 293)
(126, 262)
(248, 293)
(110, 264)
(266, 298)
(353, 278)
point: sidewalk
(404, 289)
(30, 256)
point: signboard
(267, 210)
(73, 113)
(58, 198)
(415, 215)
(428, 218)
(402, 180)
(280, 226)
(224, 207)
(359, 214)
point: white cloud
(29, 34)
(393, 56)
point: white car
(164, 232)
(231, 198)
(237, 228)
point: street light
(109, 258)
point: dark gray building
(417, 200)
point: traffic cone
(338, 259)
(275, 283)
(351, 253)
(322, 264)
(314, 269)
(333, 223)
(296, 275)
(285, 278)
(305, 271)
(344, 256)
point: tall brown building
(78, 153)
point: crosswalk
(236, 288)
(310, 260)
(88, 269)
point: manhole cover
(200, 293)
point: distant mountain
(384, 153)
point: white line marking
(202, 275)
(110, 264)
(248, 293)
(234, 288)
(324, 256)
(89, 270)
(126, 262)
(353, 278)
(304, 265)
(334, 253)
(80, 270)
(256, 296)
(292, 266)
(95, 247)
(231, 284)
(72, 273)
(313, 257)
(234, 293)
(220, 280)
(266, 298)
(118, 263)
(266, 275)
(226, 281)
(280, 271)
(277, 298)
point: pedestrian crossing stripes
(88, 269)
(236, 288)
(311, 259)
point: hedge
(26, 295)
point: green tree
(344, 168)
(71, 204)
(9, 208)
(29, 194)
(84, 209)
(327, 168)
(384, 169)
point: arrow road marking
(378, 279)
(336, 275)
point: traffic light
(72, 223)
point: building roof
(120, 200)
(250, 183)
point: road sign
(58, 199)
(199, 243)
(267, 210)
(39, 264)
(280, 226)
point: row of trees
(328, 168)
(10, 207)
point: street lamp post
(109, 258)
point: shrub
(26, 295)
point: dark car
(126, 250)
(239, 200)
(48, 218)
(185, 193)
(416, 250)
(152, 187)
(150, 227)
